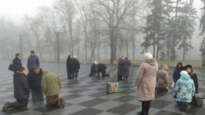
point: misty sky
(16, 9)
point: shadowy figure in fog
(146, 83)
(101, 69)
(34, 79)
(69, 67)
(177, 71)
(21, 92)
(33, 61)
(120, 68)
(16, 63)
(93, 69)
(126, 68)
(76, 67)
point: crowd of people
(152, 82)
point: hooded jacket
(146, 80)
(184, 88)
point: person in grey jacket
(33, 61)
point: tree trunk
(203, 59)
(133, 49)
(127, 47)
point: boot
(61, 103)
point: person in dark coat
(33, 61)
(101, 69)
(76, 67)
(177, 71)
(34, 80)
(194, 77)
(21, 92)
(126, 67)
(120, 69)
(16, 63)
(93, 69)
(69, 67)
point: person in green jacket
(51, 86)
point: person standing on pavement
(69, 67)
(51, 86)
(146, 82)
(76, 67)
(16, 63)
(162, 81)
(33, 61)
(177, 71)
(126, 68)
(194, 77)
(34, 79)
(120, 68)
(184, 90)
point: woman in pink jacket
(146, 82)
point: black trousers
(19, 104)
(145, 107)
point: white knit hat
(148, 56)
(184, 73)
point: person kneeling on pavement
(51, 86)
(34, 79)
(184, 90)
(21, 92)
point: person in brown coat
(120, 68)
(146, 83)
(162, 81)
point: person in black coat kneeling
(21, 92)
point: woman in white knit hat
(146, 82)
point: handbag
(12, 67)
(112, 87)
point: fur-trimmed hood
(151, 61)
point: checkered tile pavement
(87, 96)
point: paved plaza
(87, 96)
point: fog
(102, 29)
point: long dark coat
(21, 87)
(17, 63)
(125, 67)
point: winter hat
(74, 56)
(184, 73)
(96, 62)
(148, 56)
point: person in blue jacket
(33, 61)
(126, 67)
(184, 90)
